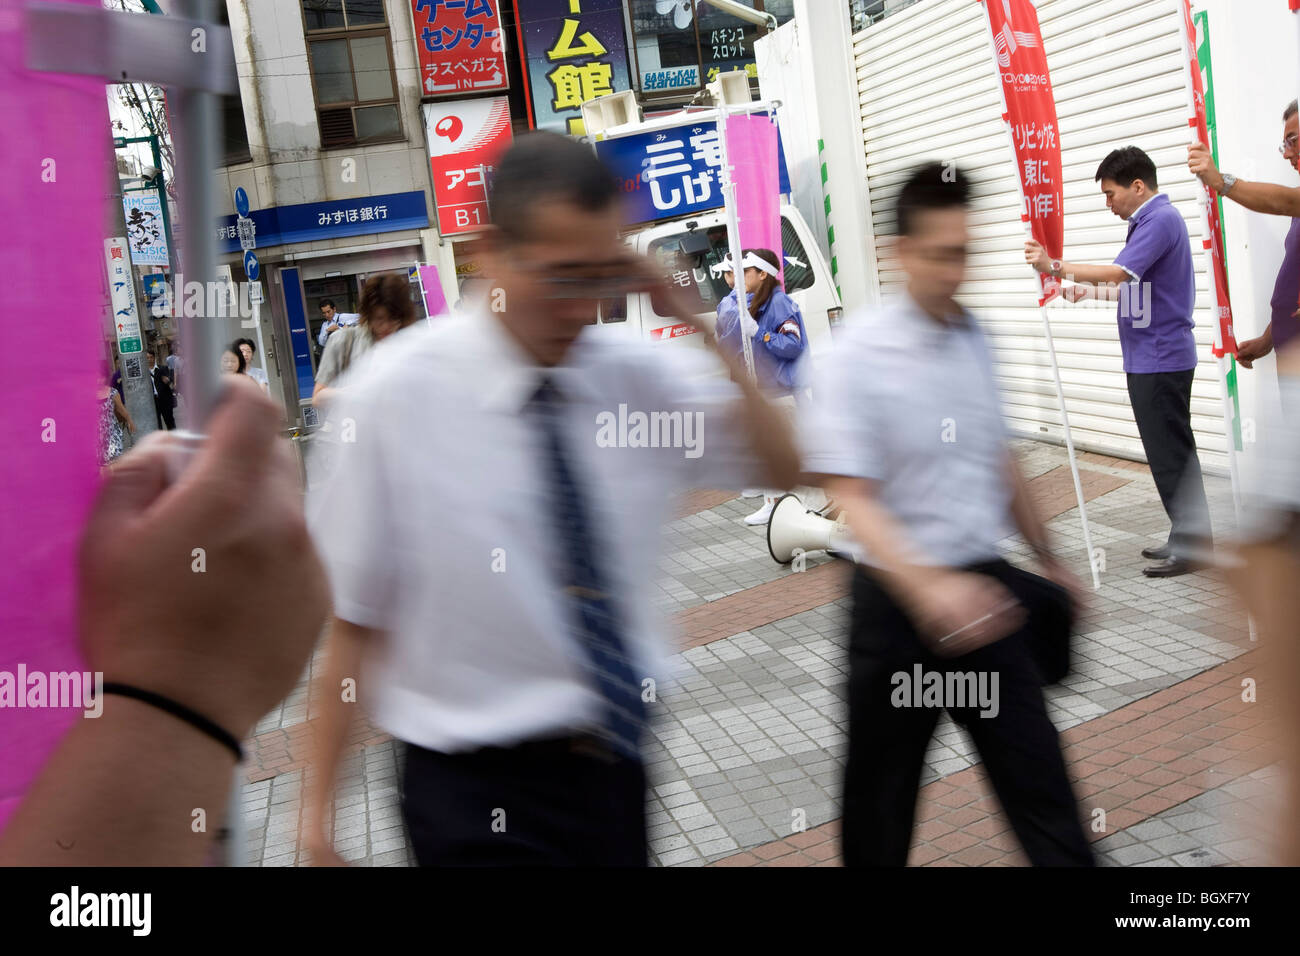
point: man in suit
(163, 397)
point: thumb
(131, 486)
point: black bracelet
(191, 717)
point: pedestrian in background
(164, 399)
(232, 361)
(113, 417)
(1153, 280)
(248, 349)
(386, 308)
(906, 433)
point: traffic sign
(247, 233)
(252, 268)
(241, 201)
(119, 142)
(255, 294)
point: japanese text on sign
(460, 46)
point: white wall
(1254, 53)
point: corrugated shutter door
(928, 91)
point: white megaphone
(792, 528)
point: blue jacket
(778, 345)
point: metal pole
(1047, 331)
(733, 243)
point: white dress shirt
(342, 320)
(435, 524)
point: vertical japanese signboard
(144, 229)
(466, 139)
(575, 50)
(461, 46)
(121, 290)
(1031, 114)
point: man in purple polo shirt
(1276, 200)
(1153, 281)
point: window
(234, 133)
(863, 13)
(680, 45)
(350, 51)
(692, 269)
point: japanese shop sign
(466, 139)
(126, 320)
(144, 229)
(673, 78)
(671, 172)
(461, 46)
(332, 219)
(576, 50)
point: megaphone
(792, 528)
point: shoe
(1172, 568)
(1160, 553)
(762, 514)
(751, 493)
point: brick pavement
(749, 727)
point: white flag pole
(1203, 202)
(1047, 330)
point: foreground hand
(1251, 350)
(221, 549)
(959, 612)
(1059, 574)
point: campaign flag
(435, 301)
(461, 46)
(1031, 115)
(466, 139)
(751, 150)
(1224, 342)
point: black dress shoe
(1160, 553)
(1172, 568)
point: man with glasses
(492, 540)
(1275, 200)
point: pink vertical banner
(752, 152)
(56, 174)
(435, 302)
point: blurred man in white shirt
(492, 535)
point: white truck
(689, 244)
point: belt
(581, 745)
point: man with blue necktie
(510, 640)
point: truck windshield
(687, 258)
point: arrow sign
(252, 268)
(241, 201)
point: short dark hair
(249, 342)
(151, 352)
(1127, 164)
(329, 302)
(932, 186)
(1292, 108)
(390, 292)
(543, 166)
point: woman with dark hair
(232, 361)
(248, 348)
(778, 337)
(386, 308)
(112, 417)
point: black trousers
(1162, 407)
(549, 803)
(166, 418)
(1019, 746)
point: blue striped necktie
(593, 618)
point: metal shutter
(928, 92)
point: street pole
(137, 386)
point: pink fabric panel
(752, 150)
(435, 302)
(52, 208)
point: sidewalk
(749, 732)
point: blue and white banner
(334, 219)
(674, 78)
(672, 172)
(144, 229)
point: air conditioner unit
(730, 89)
(606, 112)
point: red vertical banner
(1031, 115)
(1225, 343)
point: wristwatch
(1056, 267)
(1229, 181)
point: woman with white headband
(778, 336)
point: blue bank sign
(337, 219)
(672, 172)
